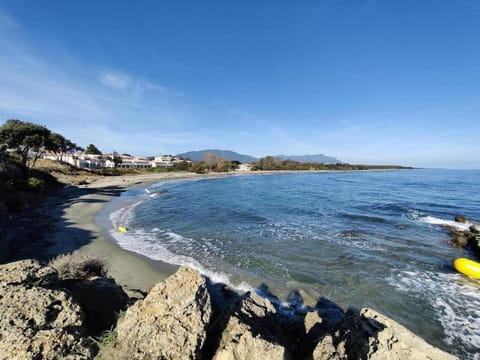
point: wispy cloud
(115, 80)
(104, 107)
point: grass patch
(107, 339)
(77, 267)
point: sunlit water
(368, 239)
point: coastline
(66, 223)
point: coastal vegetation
(270, 163)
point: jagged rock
(170, 323)
(101, 300)
(37, 322)
(252, 332)
(367, 334)
(326, 350)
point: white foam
(436, 221)
(123, 216)
(456, 301)
(140, 242)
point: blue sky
(369, 81)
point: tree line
(31, 140)
(272, 163)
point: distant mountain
(226, 154)
(317, 158)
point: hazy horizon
(365, 82)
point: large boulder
(367, 334)
(170, 323)
(252, 332)
(38, 321)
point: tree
(27, 138)
(117, 159)
(92, 149)
(60, 146)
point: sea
(362, 238)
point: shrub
(35, 185)
(79, 267)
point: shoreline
(133, 271)
(68, 224)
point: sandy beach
(77, 231)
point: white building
(167, 161)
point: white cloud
(115, 80)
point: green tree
(117, 159)
(92, 149)
(60, 146)
(27, 138)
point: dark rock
(460, 241)
(474, 229)
(460, 219)
(101, 300)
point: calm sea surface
(368, 239)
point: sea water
(367, 239)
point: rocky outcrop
(37, 320)
(469, 237)
(179, 319)
(170, 323)
(253, 331)
(367, 334)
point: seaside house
(167, 161)
(80, 160)
(134, 162)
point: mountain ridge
(243, 158)
(226, 154)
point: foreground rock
(252, 332)
(170, 323)
(37, 320)
(179, 319)
(367, 334)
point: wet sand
(76, 230)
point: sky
(365, 81)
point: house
(167, 161)
(134, 162)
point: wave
(456, 302)
(141, 242)
(436, 221)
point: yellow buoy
(468, 267)
(122, 229)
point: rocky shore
(49, 313)
(465, 235)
